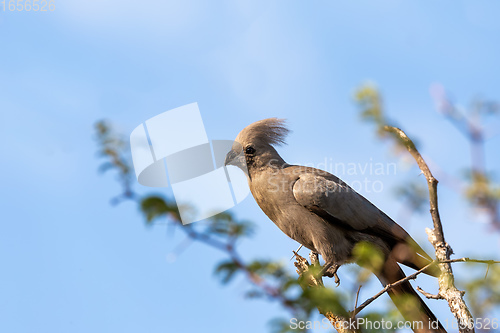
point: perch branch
(340, 323)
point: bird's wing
(329, 197)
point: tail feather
(415, 311)
(411, 254)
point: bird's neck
(271, 164)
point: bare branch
(465, 259)
(390, 286)
(447, 289)
(414, 276)
(431, 181)
(356, 302)
(429, 295)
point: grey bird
(324, 214)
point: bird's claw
(332, 272)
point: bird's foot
(331, 271)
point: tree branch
(429, 295)
(465, 259)
(413, 277)
(390, 286)
(340, 323)
(447, 289)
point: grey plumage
(271, 131)
(323, 213)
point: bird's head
(254, 146)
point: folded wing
(329, 197)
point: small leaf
(154, 207)
(368, 256)
(227, 270)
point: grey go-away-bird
(324, 214)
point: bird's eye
(250, 150)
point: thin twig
(487, 270)
(429, 295)
(295, 252)
(390, 286)
(465, 259)
(356, 302)
(413, 276)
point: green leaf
(225, 224)
(226, 270)
(266, 268)
(325, 299)
(368, 256)
(154, 207)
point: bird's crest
(270, 131)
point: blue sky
(74, 263)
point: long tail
(406, 299)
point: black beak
(236, 158)
(230, 158)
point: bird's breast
(275, 197)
